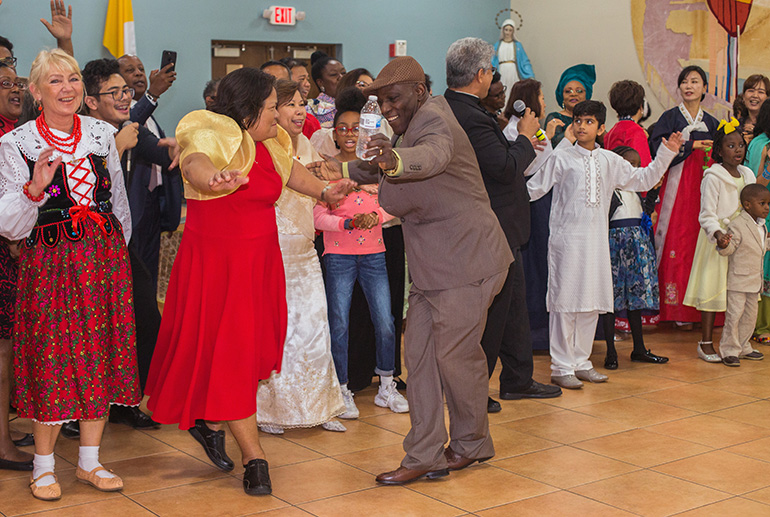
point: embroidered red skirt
(74, 351)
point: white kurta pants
(572, 339)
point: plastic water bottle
(369, 125)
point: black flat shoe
(132, 417)
(256, 478)
(648, 357)
(536, 390)
(25, 441)
(493, 406)
(611, 362)
(71, 430)
(15, 465)
(213, 444)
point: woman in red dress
(224, 322)
(62, 191)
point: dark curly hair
(719, 137)
(591, 109)
(349, 99)
(626, 98)
(98, 71)
(242, 94)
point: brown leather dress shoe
(457, 462)
(403, 475)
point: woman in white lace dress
(306, 393)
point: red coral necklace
(65, 145)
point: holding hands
(366, 221)
(336, 192)
(722, 239)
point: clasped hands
(723, 239)
(366, 221)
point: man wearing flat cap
(458, 259)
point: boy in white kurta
(583, 178)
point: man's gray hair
(465, 58)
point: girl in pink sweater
(353, 250)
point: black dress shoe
(15, 465)
(132, 417)
(71, 430)
(213, 444)
(493, 406)
(25, 441)
(536, 390)
(648, 357)
(256, 478)
(611, 362)
(400, 384)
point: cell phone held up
(169, 57)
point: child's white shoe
(389, 397)
(334, 425)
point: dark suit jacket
(502, 165)
(144, 157)
(451, 235)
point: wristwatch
(151, 97)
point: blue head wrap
(584, 74)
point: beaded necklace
(65, 145)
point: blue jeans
(342, 271)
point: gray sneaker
(591, 375)
(569, 382)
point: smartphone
(169, 56)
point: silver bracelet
(323, 192)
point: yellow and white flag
(119, 37)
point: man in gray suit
(458, 259)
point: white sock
(40, 465)
(386, 380)
(88, 460)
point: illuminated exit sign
(283, 15)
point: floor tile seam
(495, 458)
(700, 412)
(192, 483)
(636, 468)
(570, 490)
(412, 488)
(734, 407)
(109, 495)
(745, 496)
(725, 450)
(687, 439)
(730, 494)
(649, 467)
(138, 503)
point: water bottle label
(370, 121)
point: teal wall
(364, 28)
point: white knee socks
(42, 464)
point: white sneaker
(334, 425)
(351, 411)
(389, 397)
(271, 429)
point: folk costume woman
(576, 85)
(62, 190)
(510, 59)
(677, 228)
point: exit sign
(283, 15)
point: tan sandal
(45, 493)
(112, 484)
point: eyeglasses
(8, 85)
(362, 84)
(344, 130)
(9, 61)
(492, 70)
(501, 93)
(118, 94)
(570, 91)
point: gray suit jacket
(451, 235)
(746, 251)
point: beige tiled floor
(686, 438)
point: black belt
(625, 223)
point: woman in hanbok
(306, 393)
(510, 59)
(677, 227)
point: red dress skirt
(224, 322)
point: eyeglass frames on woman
(118, 94)
(8, 85)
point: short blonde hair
(48, 59)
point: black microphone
(129, 152)
(518, 109)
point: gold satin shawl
(227, 146)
